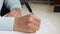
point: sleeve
(6, 23)
(11, 4)
(1, 3)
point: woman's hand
(28, 23)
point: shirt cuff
(6, 23)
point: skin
(14, 13)
(28, 23)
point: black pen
(28, 6)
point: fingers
(34, 22)
(34, 25)
(34, 17)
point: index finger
(36, 18)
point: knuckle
(29, 19)
(30, 15)
(29, 25)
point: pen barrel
(28, 6)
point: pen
(28, 6)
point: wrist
(15, 27)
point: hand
(14, 13)
(28, 23)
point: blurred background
(55, 3)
